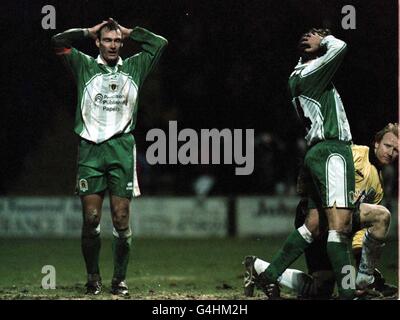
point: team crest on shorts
(83, 185)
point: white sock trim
(126, 233)
(336, 236)
(305, 233)
(260, 265)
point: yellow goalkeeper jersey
(368, 183)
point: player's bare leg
(122, 236)
(90, 241)
(339, 221)
(312, 222)
(377, 218)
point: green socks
(293, 247)
(121, 245)
(339, 255)
(90, 245)
(121, 248)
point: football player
(370, 227)
(108, 92)
(328, 160)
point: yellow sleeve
(379, 189)
(358, 239)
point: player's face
(109, 45)
(310, 42)
(387, 150)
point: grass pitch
(159, 268)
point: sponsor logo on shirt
(110, 102)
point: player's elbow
(59, 41)
(334, 46)
(343, 48)
(340, 47)
(60, 45)
(56, 41)
(163, 42)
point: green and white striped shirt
(108, 97)
(315, 98)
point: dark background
(226, 66)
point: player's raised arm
(152, 46)
(322, 69)
(62, 42)
(150, 42)
(331, 59)
(63, 47)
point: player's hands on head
(124, 31)
(93, 30)
(315, 37)
(310, 42)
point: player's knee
(91, 217)
(120, 218)
(382, 216)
